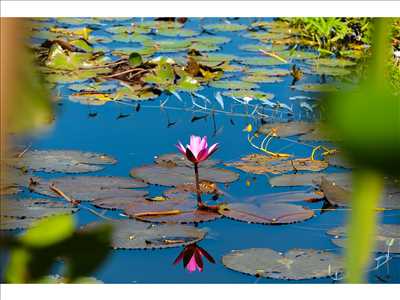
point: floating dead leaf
(286, 129)
(66, 161)
(296, 264)
(90, 188)
(261, 164)
(268, 213)
(387, 234)
(34, 208)
(130, 234)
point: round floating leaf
(131, 38)
(268, 213)
(210, 40)
(177, 175)
(129, 234)
(387, 234)
(212, 59)
(176, 159)
(115, 202)
(91, 98)
(316, 88)
(221, 27)
(332, 62)
(89, 188)
(260, 61)
(307, 179)
(296, 264)
(166, 46)
(233, 85)
(337, 160)
(268, 72)
(316, 135)
(297, 196)
(9, 223)
(66, 161)
(92, 87)
(136, 94)
(257, 95)
(123, 52)
(328, 71)
(180, 207)
(286, 129)
(262, 79)
(130, 29)
(204, 47)
(34, 208)
(135, 59)
(177, 32)
(266, 47)
(299, 55)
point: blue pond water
(136, 139)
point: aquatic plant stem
(196, 173)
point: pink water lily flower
(198, 150)
(192, 258)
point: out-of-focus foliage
(34, 254)
(367, 120)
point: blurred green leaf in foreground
(367, 121)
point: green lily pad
(267, 213)
(296, 264)
(66, 161)
(233, 85)
(131, 38)
(266, 47)
(129, 234)
(90, 188)
(179, 207)
(286, 129)
(136, 94)
(34, 208)
(91, 98)
(268, 72)
(78, 21)
(304, 179)
(257, 95)
(262, 79)
(328, 71)
(224, 27)
(316, 88)
(299, 55)
(215, 58)
(386, 234)
(204, 47)
(60, 76)
(260, 61)
(263, 164)
(170, 45)
(176, 159)
(128, 29)
(177, 32)
(173, 175)
(92, 87)
(332, 62)
(10, 223)
(210, 40)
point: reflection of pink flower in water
(197, 151)
(192, 258)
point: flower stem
(196, 172)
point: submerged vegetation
(275, 84)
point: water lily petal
(192, 265)
(212, 149)
(181, 148)
(203, 155)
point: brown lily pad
(130, 234)
(89, 188)
(386, 234)
(66, 161)
(286, 129)
(261, 164)
(304, 179)
(34, 208)
(10, 223)
(296, 264)
(179, 207)
(269, 213)
(176, 159)
(114, 203)
(337, 160)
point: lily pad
(169, 46)
(328, 71)
(177, 32)
(175, 159)
(116, 202)
(224, 27)
(262, 79)
(92, 87)
(316, 88)
(296, 264)
(268, 213)
(34, 208)
(90, 188)
(268, 72)
(129, 234)
(210, 40)
(179, 207)
(66, 161)
(131, 93)
(337, 160)
(304, 179)
(266, 47)
(260, 61)
(233, 85)
(384, 236)
(132, 38)
(9, 223)
(332, 62)
(286, 129)
(91, 98)
(256, 95)
(287, 197)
